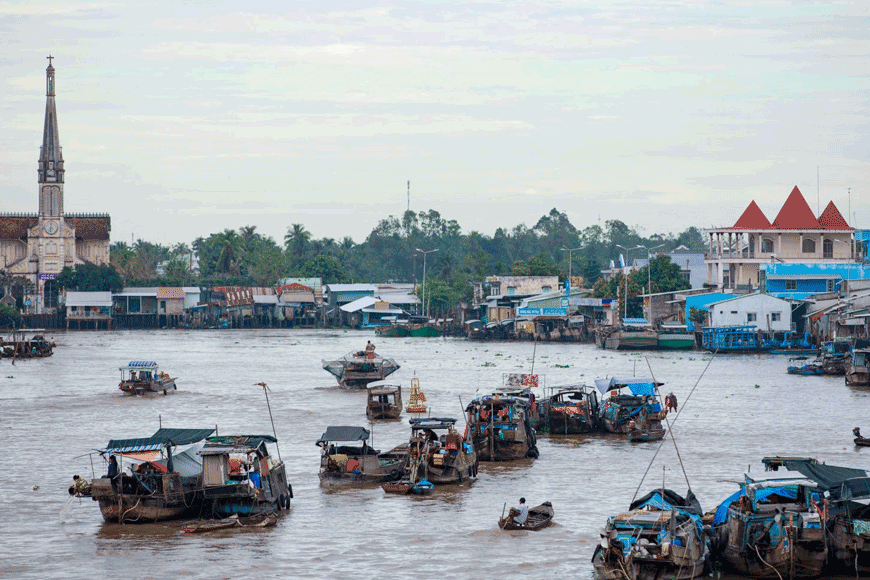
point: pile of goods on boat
(357, 369)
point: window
(751, 317)
(733, 312)
(511, 290)
(809, 246)
(791, 284)
(828, 249)
(766, 246)
(775, 316)
(830, 285)
(545, 288)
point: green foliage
(328, 268)
(9, 317)
(90, 278)
(698, 316)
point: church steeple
(50, 155)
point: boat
(438, 453)
(159, 484)
(731, 338)
(571, 410)
(834, 356)
(500, 428)
(356, 370)
(406, 486)
(638, 408)
(143, 377)
(384, 401)
(860, 440)
(807, 369)
(241, 477)
(858, 369)
(16, 345)
(629, 336)
(262, 520)
(661, 536)
(771, 528)
(539, 518)
(425, 330)
(646, 435)
(790, 344)
(397, 330)
(347, 457)
(675, 337)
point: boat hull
(148, 388)
(539, 518)
(631, 340)
(679, 341)
(425, 332)
(142, 508)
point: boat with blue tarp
(661, 536)
(156, 478)
(142, 377)
(500, 427)
(631, 404)
(439, 453)
(806, 369)
(772, 527)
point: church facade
(38, 246)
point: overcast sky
(183, 118)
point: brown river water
(55, 411)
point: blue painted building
(702, 301)
(799, 281)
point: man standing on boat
(370, 348)
(522, 512)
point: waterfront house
(767, 313)
(135, 307)
(88, 310)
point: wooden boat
(834, 356)
(772, 528)
(500, 428)
(673, 337)
(16, 345)
(438, 453)
(571, 410)
(424, 330)
(161, 486)
(397, 330)
(346, 457)
(241, 477)
(860, 440)
(143, 377)
(645, 435)
(404, 487)
(858, 369)
(661, 536)
(628, 338)
(539, 518)
(384, 401)
(263, 520)
(356, 370)
(630, 403)
(808, 369)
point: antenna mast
(409, 195)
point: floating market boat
(384, 401)
(772, 528)
(143, 377)
(834, 356)
(661, 536)
(356, 461)
(807, 369)
(858, 369)
(500, 428)
(631, 403)
(356, 370)
(438, 453)
(860, 440)
(241, 476)
(571, 410)
(646, 435)
(16, 345)
(539, 518)
(161, 484)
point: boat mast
(275, 433)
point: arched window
(809, 246)
(828, 248)
(766, 246)
(50, 293)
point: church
(37, 246)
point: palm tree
(296, 241)
(228, 260)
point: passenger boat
(438, 453)
(356, 370)
(632, 403)
(142, 377)
(384, 401)
(346, 457)
(772, 528)
(500, 428)
(807, 369)
(241, 477)
(661, 536)
(160, 484)
(539, 518)
(571, 410)
(16, 345)
(858, 369)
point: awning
(637, 385)
(344, 434)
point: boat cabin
(140, 377)
(384, 401)
(347, 455)
(241, 476)
(571, 410)
(630, 404)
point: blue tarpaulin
(722, 510)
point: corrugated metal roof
(265, 299)
(89, 299)
(138, 291)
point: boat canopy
(722, 511)
(136, 365)
(432, 423)
(637, 385)
(240, 441)
(187, 463)
(160, 438)
(827, 476)
(344, 434)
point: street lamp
(424, 252)
(570, 263)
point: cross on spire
(49, 57)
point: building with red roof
(739, 254)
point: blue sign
(567, 288)
(542, 312)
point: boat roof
(160, 438)
(496, 398)
(638, 385)
(139, 364)
(343, 433)
(432, 423)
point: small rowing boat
(264, 520)
(539, 517)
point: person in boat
(857, 432)
(112, 471)
(80, 486)
(370, 348)
(522, 512)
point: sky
(183, 118)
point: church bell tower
(50, 162)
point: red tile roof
(796, 214)
(753, 218)
(91, 227)
(294, 287)
(832, 219)
(164, 292)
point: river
(57, 410)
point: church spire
(50, 155)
